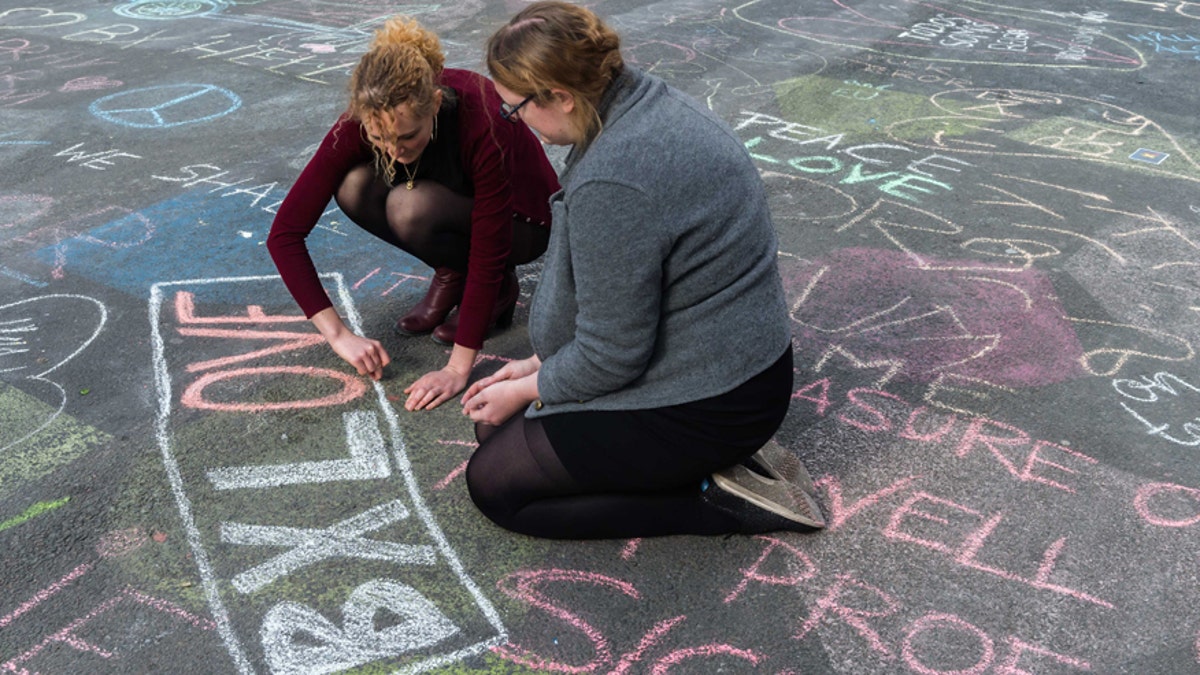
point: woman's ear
(437, 100)
(564, 99)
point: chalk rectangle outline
(399, 455)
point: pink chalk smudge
(630, 548)
(90, 83)
(1007, 328)
(121, 542)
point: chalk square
(1149, 156)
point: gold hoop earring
(433, 133)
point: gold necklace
(411, 174)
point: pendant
(409, 184)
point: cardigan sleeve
(616, 258)
(340, 151)
(491, 221)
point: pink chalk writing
(822, 396)
(527, 586)
(1018, 648)
(704, 651)
(879, 421)
(112, 545)
(458, 470)
(910, 427)
(523, 585)
(293, 340)
(1153, 501)
(45, 593)
(75, 231)
(348, 386)
(924, 508)
(985, 652)
(974, 437)
(351, 388)
(935, 621)
(843, 601)
(1024, 458)
(67, 635)
(403, 278)
(830, 604)
(839, 511)
(648, 640)
(856, 603)
(363, 280)
(185, 313)
(797, 558)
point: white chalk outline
(208, 579)
(41, 377)
(368, 459)
(307, 546)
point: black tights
(517, 480)
(429, 221)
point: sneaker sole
(776, 496)
(784, 466)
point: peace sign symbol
(168, 105)
(162, 10)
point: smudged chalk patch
(1004, 327)
(60, 441)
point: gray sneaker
(783, 465)
(780, 497)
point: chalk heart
(90, 83)
(325, 648)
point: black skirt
(637, 449)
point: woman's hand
(366, 355)
(433, 389)
(499, 401)
(498, 397)
(513, 370)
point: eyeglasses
(509, 112)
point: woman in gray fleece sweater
(662, 345)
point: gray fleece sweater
(660, 283)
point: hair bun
(402, 30)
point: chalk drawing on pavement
(165, 106)
(29, 351)
(167, 10)
(294, 631)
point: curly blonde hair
(402, 65)
(557, 45)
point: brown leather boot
(445, 291)
(502, 311)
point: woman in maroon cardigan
(426, 159)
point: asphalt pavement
(989, 233)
